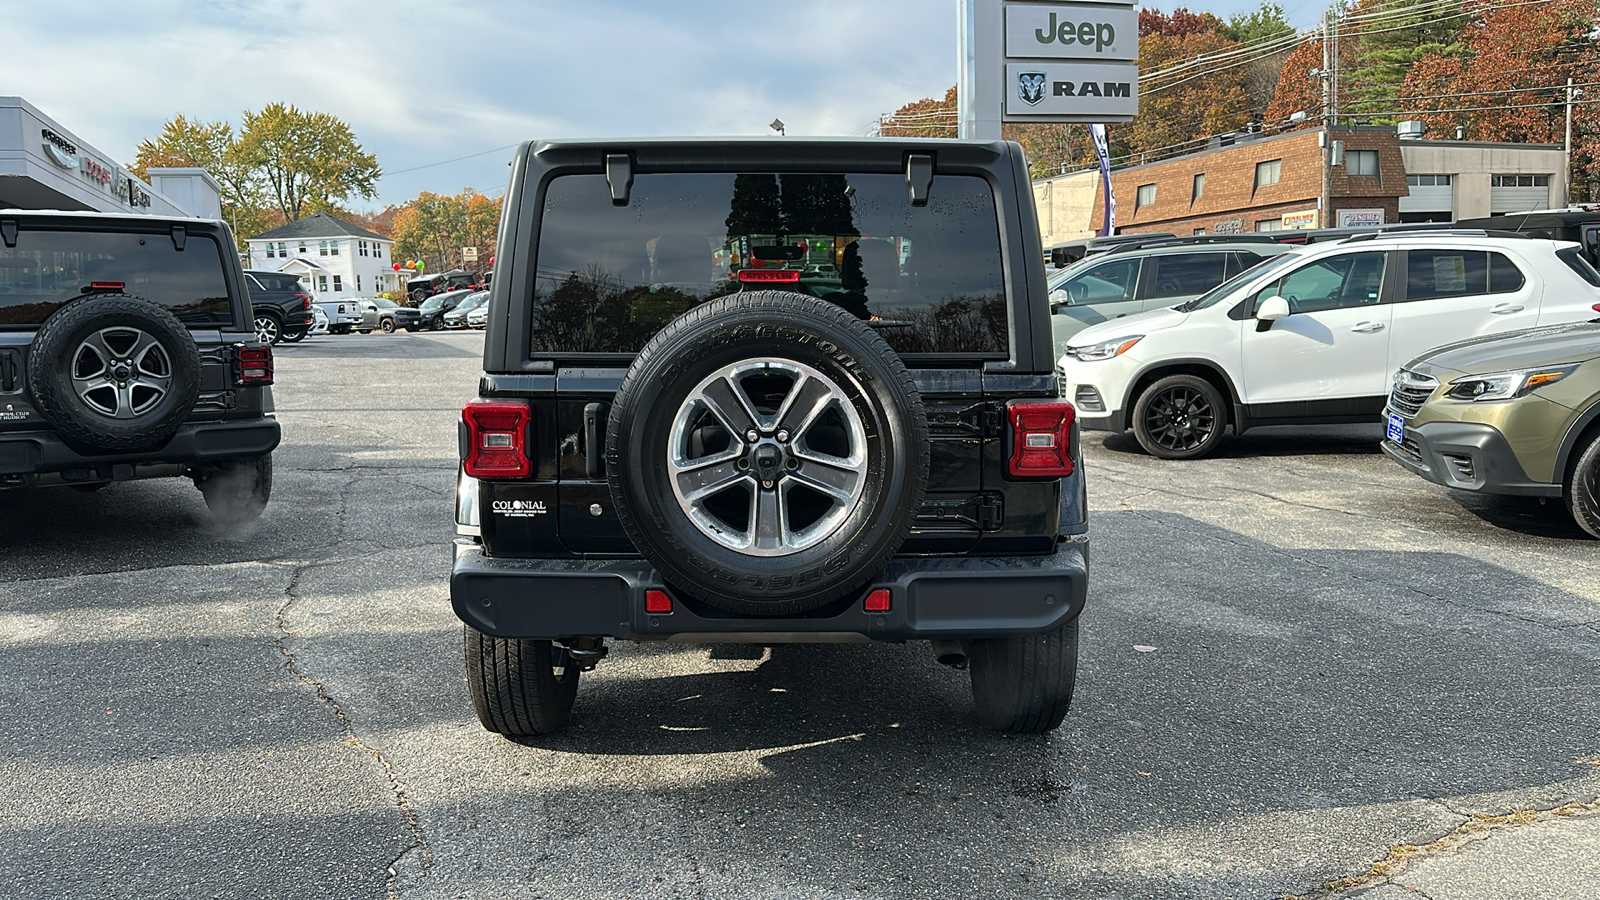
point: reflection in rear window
(927, 278)
(47, 269)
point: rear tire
(1583, 488)
(1180, 417)
(387, 325)
(519, 687)
(295, 336)
(1023, 685)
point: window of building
(322, 248)
(362, 247)
(1267, 172)
(333, 248)
(1429, 180)
(1145, 197)
(377, 250)
(1199, 231)
(302, 248)
(1270, 225)
(322, 283)
(1361, 162)
(1519, 181)
(1199, 187)
(337, 287)
(358, 284)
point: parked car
(127, 351)
(319, 320)
(457, 318)
(712, 462)
(1514, 414)
(1580, 224)
(1138, 276)
(343, 315)
(1314, 335)
(420, 289)
(280, 304)
(383, 314)
(430, 315)
(479, 316)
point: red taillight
(1596, 307)
(305, 300)
(877, 601)
(770, 276)
(1041, 438)
(107, 285)
(253, 365)
(657, 603)
(497, 439)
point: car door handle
(1367, 327)
(1505, 309)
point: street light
(776, 125)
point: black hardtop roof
(788, 152)
(88, 219)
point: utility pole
(1566, 152)
(1324, 200)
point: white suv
(1314, 335)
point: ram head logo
(1030, 87)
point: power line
(443, 162)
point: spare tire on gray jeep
(114, 372)
(767, 452)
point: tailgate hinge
(986, 419)
(991, 512)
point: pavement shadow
(1277, 440)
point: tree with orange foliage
(1298, 89)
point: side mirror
(1271, 310)
(1058, 300)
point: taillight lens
(769, 276)
(1041, 438)
(497, 439)
(253, 365)
(305, 300)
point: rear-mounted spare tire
(767, 452)
(113, 372)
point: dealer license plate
(1397, 428)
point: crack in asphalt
(402, 796)
(1474, 827)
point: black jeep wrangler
(127, 351)
(765, 391)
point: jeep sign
(1047, 62)
(1100, 33)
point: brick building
(1247, 183)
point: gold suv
(1513, 414)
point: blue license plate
(1397, 428)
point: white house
(332, 257)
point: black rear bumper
(930, 597)
(28, 453)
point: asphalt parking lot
(1301, 667)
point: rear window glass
(1575, 261)
(273, 281)
(46, 269)
(1186, 274)
(927, 278)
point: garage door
(1518, 193)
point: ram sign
(1041, 92)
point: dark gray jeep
(127, 351)
(767, 391)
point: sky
(423, 83)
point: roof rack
(1436, 232)
(1188, 240)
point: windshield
(384, 303)
(1061, 276)
(472, 303)
(1222, 290)
(928, 278)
